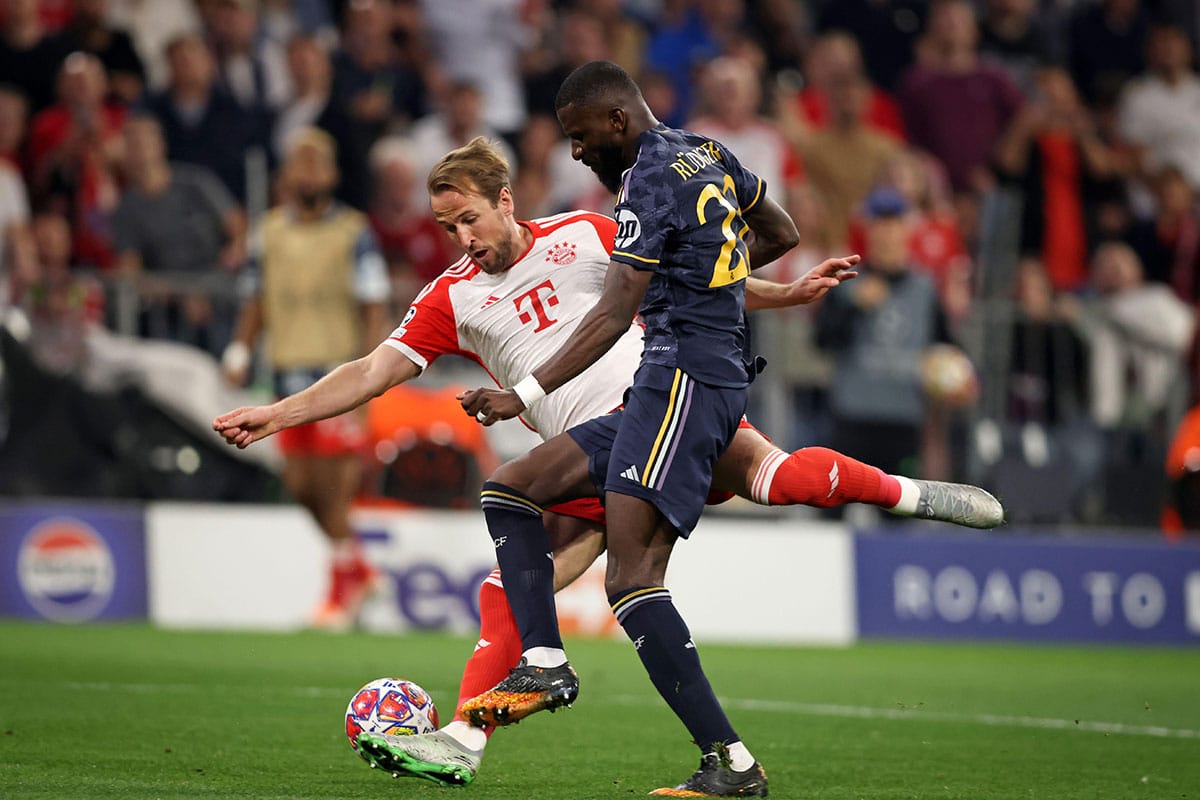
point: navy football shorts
(662, 445)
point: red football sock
(499, 647)
(818, 476)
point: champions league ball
(390, 705)
(948, 377)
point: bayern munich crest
(66, 570)
(562, 253)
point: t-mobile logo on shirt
(539, 299)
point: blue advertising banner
(1039, 588)
(72, 562)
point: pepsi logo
(66, 570)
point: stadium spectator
(177, 222)
(535, 181)
(689, 35)
(152, 26)
(886, 30)
(624, 31)
(373, 87)
(414, 246)
(74, 151)
(17, 262)
(250, 66)
(283, 20)
(1168, 244)
(29, 56)
(551, 177)
(781, 27)
(1107, 46)
(660, 94)
(318, 290)
(313, 105)
(457, 120)
(730, 95)
(1160, 110)
(62, 303)
(1138, 334)
(1047, 379)
(808, 211)
(14, 123)
(494, 33)
(833, 55)
(936, 243)
(843, 160)
(1054, 152)
(956, 106)
(90, 31)
(579, 37)
(202, 123)
(1015, 34)
(311, 76)
(877, 330)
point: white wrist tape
(529, 390)
(236, 357)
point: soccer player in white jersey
(514, 297)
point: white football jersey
(512, 322)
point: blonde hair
(314, 139)
(475, 168)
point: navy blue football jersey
(679, 214)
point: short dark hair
(594, 82)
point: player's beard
(609, 166)
(501, 257)
(313, 200)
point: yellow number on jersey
(725, 271)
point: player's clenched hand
(823, 277)
(491, 405)
(242, 426)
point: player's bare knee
(621, 577)
(515, 474)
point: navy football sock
(665, 646)
(526, 563)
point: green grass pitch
(135, 712)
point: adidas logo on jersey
(491, 299)
(631, 474)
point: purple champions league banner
(72, 562)
(1035, 588)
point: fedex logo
(536, 303)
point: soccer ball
(390, 705)
(948, 377)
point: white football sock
(466, 734)
(909, 494)
(740, 759)
(544, 657)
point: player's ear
(617, 119)
(505, 201)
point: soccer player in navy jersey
(692, 220)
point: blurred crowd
(1020, 177)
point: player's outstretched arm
(624, 288)
(347, 387)
(772, 232)
(810, 286)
